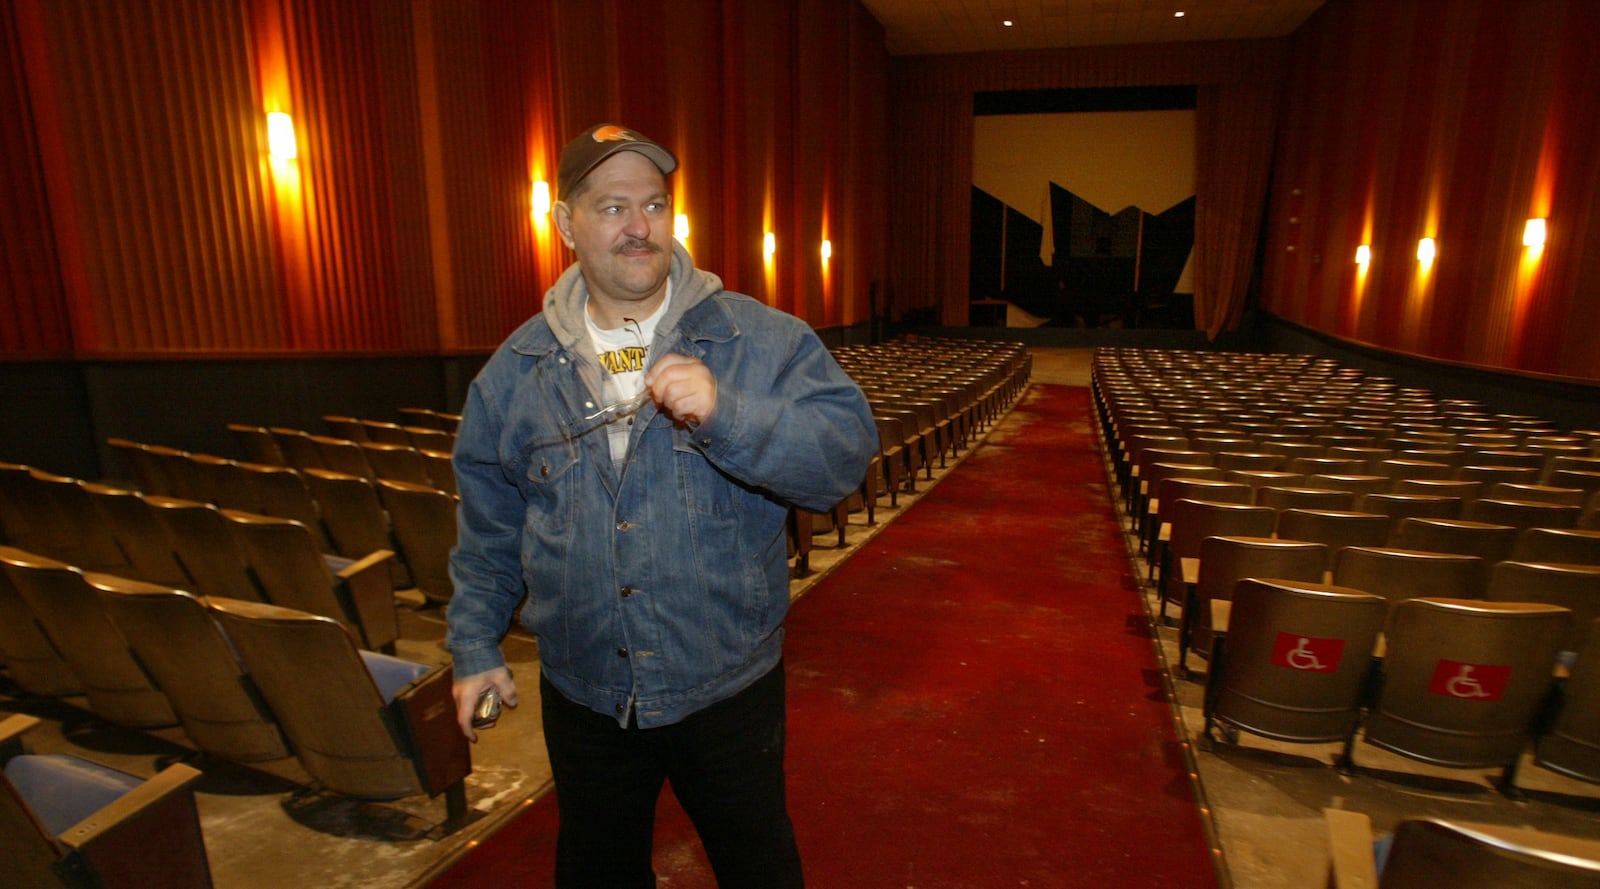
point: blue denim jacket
(661, 588)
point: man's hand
(684, 387)
(466, 692)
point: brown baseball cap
(600, 142)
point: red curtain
(1456, 121)
(144, 216)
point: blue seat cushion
(391, 674)
(63, 790)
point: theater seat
(68, 609)
(363, 724)
(424, 520)
(1572, 746)
(69, 822)
(1425, 853)
(180, 645)
(292, 572)
(1294, 660)
(1462, 681)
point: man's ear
(563, 217)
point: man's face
(620, 225)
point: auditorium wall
(150, 237)
(1455, 120)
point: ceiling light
(1007, 22)
(1179, 14)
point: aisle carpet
(973, 698)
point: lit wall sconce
(769, 245)
(827, 249)
(680, 226)
(280, 136)
(1426, 251)
(541, 198)
(1533, 234)
(1364, 255)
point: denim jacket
(660, 588)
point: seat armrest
(440, 751)
(371, 589)
(12, 728)
(149, 836)
(1351, 863)
(1190, 570)
(1221, 611)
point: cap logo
(614, 134)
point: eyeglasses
(622, 408)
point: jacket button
(705, 442)
(620, 709)
(624, 525)
(622, 652)
(628, 591)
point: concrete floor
(1266, 799)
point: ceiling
(925, 27)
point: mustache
(634, 244)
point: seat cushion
(63, 790)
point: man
(626, 459)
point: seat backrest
(1463, 680)
(1281, 497)
(206, 548)
(350, 508)
(299, 451)
(1195, 520)
(425, 526)
(441, 471)
(1523, 513)
(1491, 542)
(312, 676)
(69, 822)
(68, 610)
(1572, 746)
(1335, 528)
(386, 432)
(1295, 658)
(1426, 854)
(1405, 506)
(1573, 587)
(1171, 489)
(396, 461)
(1571, 546)
(256, 445)
(343, 455)
(425, 439)
(79, 533)
(288, 566)
(1400, 574)
(182, 648)
(1537, 493)
(145, 542)
(346, 427)
(27, 653)
(282, 492)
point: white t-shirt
(621, 352)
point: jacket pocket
(551, 471)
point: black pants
(726, 767)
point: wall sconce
(1364, 255)
(1426, 251)
(541, 198)
(1533, 234)
(281, 143)
(827, 250)
(769, 245)
(680, 226)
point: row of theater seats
(930, 399)
(1220, 459)
(201, 541)
(370, 459)
(247, 682)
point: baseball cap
(600, 142)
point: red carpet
(973, 699)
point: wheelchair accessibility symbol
(1307, 653)
(1470, 682)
